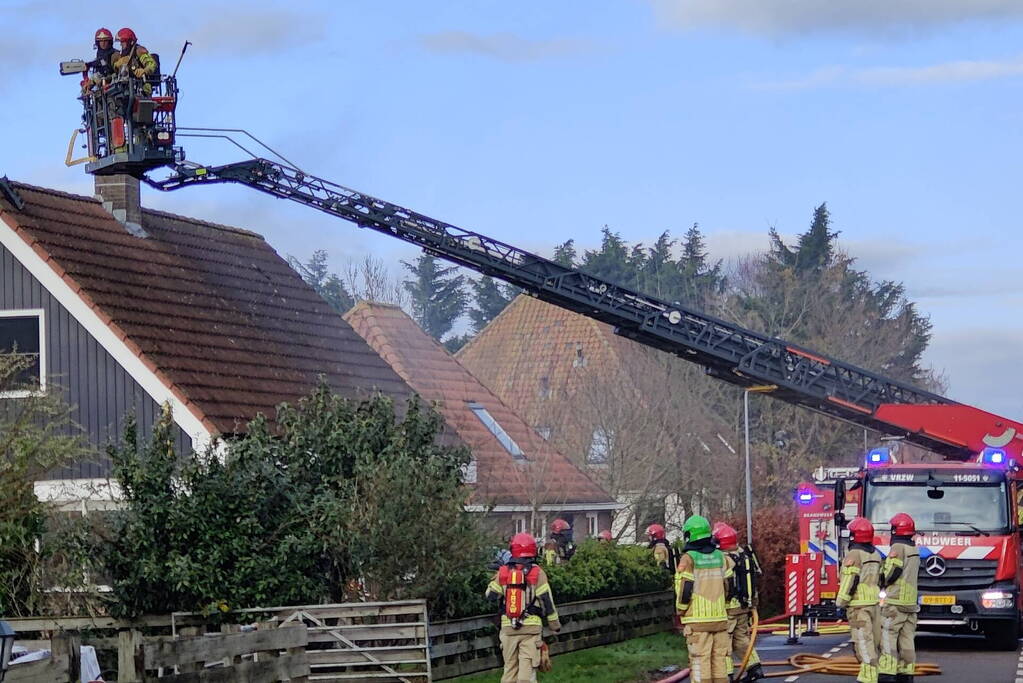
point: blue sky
(536, 122)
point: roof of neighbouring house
(533, 346)
(545, 477)
(220, 318)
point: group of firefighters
(715, 582)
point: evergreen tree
(489, 298)
(700, 279)
(614, 261)
(437, 294)
(565, 254)
(327, 284)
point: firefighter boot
(902, 678)
(888, 678)
(754, 673)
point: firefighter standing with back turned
(898, 616)
(859, 592)
(526, 602)
(743, 598)
(701, 586)
(661, 547)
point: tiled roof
(214, 311)
(546, 478)
(532, 348)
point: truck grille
(960, 575)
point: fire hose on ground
(804, 662)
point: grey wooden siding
(99, 390)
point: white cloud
(962, 71)
(875, 18)
(505, 47)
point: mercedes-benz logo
(934, 565)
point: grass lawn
(632, 660)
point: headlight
(997, 599)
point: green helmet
(696, 528)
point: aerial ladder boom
(727, 351)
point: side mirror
(840, 520)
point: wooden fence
(380, 641)
(253, 656)
(464, 646)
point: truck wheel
(1003, 635)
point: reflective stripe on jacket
(538, 594)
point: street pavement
(961, 658)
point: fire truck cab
(968, 522)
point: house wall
(99, 390)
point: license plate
(937, 599)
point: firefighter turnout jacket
(701, 586)
(136, 58)
(525, 597)
(861, 571)
(899, 574)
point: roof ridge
(145, 210)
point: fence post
(129, 644)
(66, 653)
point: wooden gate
(383, 641)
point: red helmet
(726, 536)
(655, 531)
(522, 545)
(126, 35)
(559, 525)
(903, 525)
(605, 535)
(862, 530)
(103, 34)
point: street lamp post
(6, 647)
(759, 389)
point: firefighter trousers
(521, 653)
(898, 651)
(709, 654)
(740, 631)
(865, 632)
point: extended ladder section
(728, 352)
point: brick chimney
(120, 196)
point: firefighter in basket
(897, 663)
(743, 598)
(526, 603)
(859, 592)
(701, 595)
(101, 69)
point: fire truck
(966, 507)
(967, 517)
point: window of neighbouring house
(580, 358)
(469, 472)
(21, 334)
(545, 387)
(495, 428)
(519, 524)
(600, 447)
(545, 432)
(592, 524)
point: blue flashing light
(804, 497)
(993, 456)
(879, 456)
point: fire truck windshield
(960, 509)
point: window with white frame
(21, 334)
(599, 451)
(469, 472)
(545, 432)
(497, 430)
(519, 524)
(592, 524)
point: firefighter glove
(139, 72)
